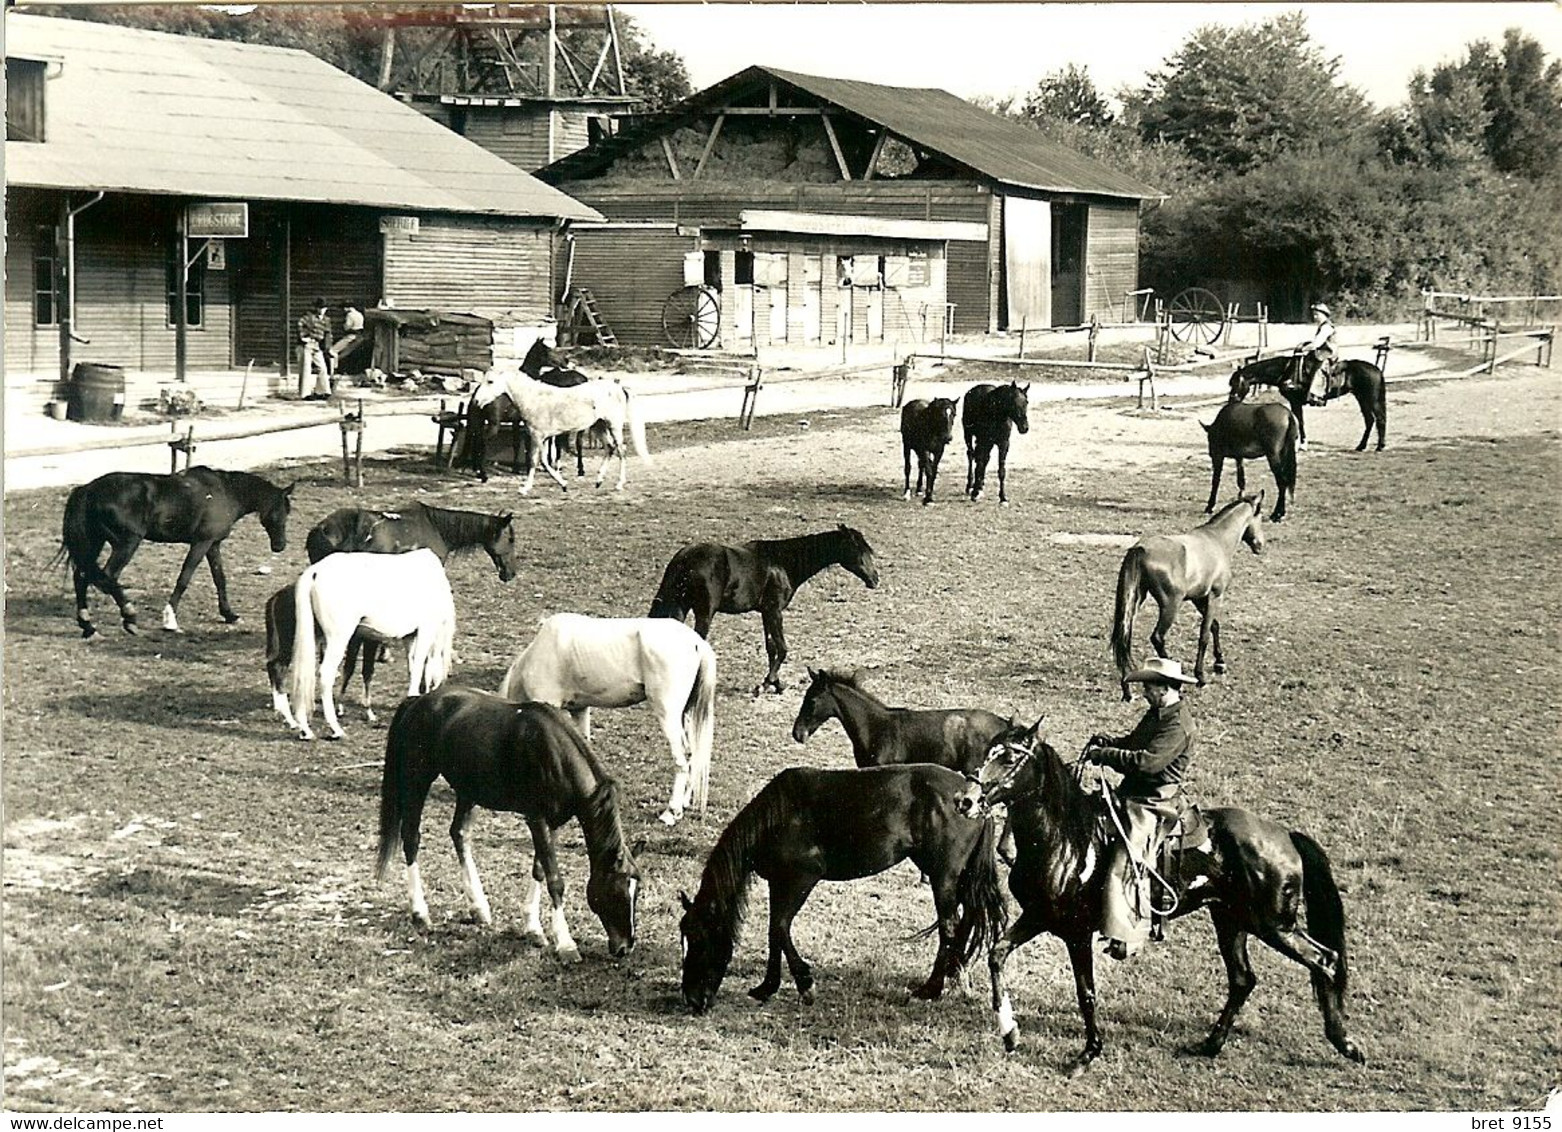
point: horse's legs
(197, 552)
(1083, 960)
(1205, 605)
(1277, 471)
(330, 665)
(108, 581)
(970, 462)
(1214, 633)
(1217, 464)
(1240, 979)
(1301, 423)
(460, 826)
(905, 446)
(1241, 476)
(1003, 460)
(581, 717)
(534, 905)
(947, 902)
(787, 895)
(1167, 604)
(1022, 931)
(671, 719)
(542, 841)
(220, 580)
(79, 575)
(984, 452)
(411, 832)
(615, 447)
(775, 646)
(933, 460)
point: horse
(387, 597)
(807, 825)
(519, 758)
(1241, 432)
(988, 412)
(1291, 375)
(541, 363)
(199, 507)
(707, 578)
(580, 662)
(548, 412)
(1253, 874)
(925, 428)
(442, 530)
(1173, 569)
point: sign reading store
(227, 220)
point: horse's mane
(730, 867)
(599, 821)
(840, 676)
(1066, 810)
(463, 530)
(1239, 501)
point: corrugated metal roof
(143, 111)
(967, 135)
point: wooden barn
(813, 207)
(273, 176)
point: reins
(1140, 866)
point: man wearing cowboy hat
(1152, 759)
(1321, 347)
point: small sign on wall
(399, 225)
(217, 255)
(226, 219)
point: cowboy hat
(1324, 307)
(1160, 670)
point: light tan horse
(1173, 569)
(549, 411)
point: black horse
(809, 825)
(988, 412)
(925, 429)
(198, 506)
(520, 758)
(1254, 875)
(707, 578)
(415, 526)
(1241, 431)
(1290, 376)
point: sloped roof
(960, 132)
(143, 111)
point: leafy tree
(1068, 95)
(658, 76)
(1443, 122)
(1236, 98)
(1523, 96)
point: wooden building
(883, 202)
(121, 144)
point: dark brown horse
(1290, 375)
(707, 578)
(1243, 432)
(1254, 875)
(1173, 569)
(198, 506)
(925, 429)
(986, 416)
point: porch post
(287, 290)
(181, 314)
(62, 286)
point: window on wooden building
(194, 290)
(46, 307)
(24, 100)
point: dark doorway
(1069, 222)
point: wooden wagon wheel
(1196, 316)
(691, 317)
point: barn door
(1027, 261)
(1068, 264)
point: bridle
(1024, 753)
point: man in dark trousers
(1152, 759)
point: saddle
(1189, 833)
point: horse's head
(818, 705)
(501, 547)
(944, 409)
(494, 383)
(273, 517)
(858, 557)
(1239, 385)
(1010, 769)
(707, 952)
(1018, 406)
(538, 358)
(1253, 533)
(612, 894)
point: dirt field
(190, 920)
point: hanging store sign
(227, 220)
(402, 225)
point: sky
(1003, 49)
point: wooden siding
(631, 272)
(517, 134)
(1111, 258)
(471, 263)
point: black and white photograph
(922, 558)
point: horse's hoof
(805, 995)
(535, 938)
(421, 921)
(335, 736)
(926, 993)
(906, 496)
(668, 818)
(1209, 1047)
(1220, 668)
(569, 955)
(1081, 1064)
(763, 992)
(1349, 1050)
(305, 735)
(88, 632)
(1011, 1041)
(232, 618)
(130, 627)
(1277, 518)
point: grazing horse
(1253, 874)
(1242, 432)
(1173, 569)
(199, 506)
(518, 758)
(808, 825)
(352, 529)
(388, 597)
(707, 578)
(988, 412)
(548, 411)
(582, 662)
(925, 428)
(1291, 375)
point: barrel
(97, 392)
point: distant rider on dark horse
(1152, 758)
(1320, 349)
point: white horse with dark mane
(548, 411)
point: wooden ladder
(586, 303)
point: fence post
(897, 383)
(1023, 320)
(1095, 333)
(1380, 355)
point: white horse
(393, 597)
(548, 411)
(579, 663)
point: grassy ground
(190, 921)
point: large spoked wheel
(691, 318)
(1197, 316)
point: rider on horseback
(1320, 348)
(1152, 759)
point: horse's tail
(699, 722)
(984, 916)
(73, 533)
(1288, 455)
(436, 667)
(511, 688)
(280, 631)
(302, 677)
(1325, 914)
(1130, 583)
(396, 750)
(668, 602)
(636, 426)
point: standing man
(314, 335)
